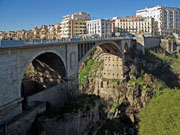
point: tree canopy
(162, 115)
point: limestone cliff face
(78, 118)
(123, 98)
(120, 99)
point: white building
(102, 27)
(73, 25)
(77, 16)
(168, 18)
(123, 26)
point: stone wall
(143, 43)
(14, 61)
(171, 45)
(75, 123)
(106, 89)
(22, 124)
(56, 96)
(113, 67)
(151, 42)
(13, 64)
(140, 44)
(9, 43)
(10, 110)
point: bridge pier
(72, 86)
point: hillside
(144, 78)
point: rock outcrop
(80, 117)
(124, 98)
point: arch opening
(101, 62)
(111, 48)
(45, 71)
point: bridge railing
(41, 41)
(17, 43)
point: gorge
(108, 105)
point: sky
(26, 14)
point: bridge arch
(43, 70)
(109, 47)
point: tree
(162, 115)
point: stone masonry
(14, 61)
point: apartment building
(168, 18)
(73, 24)
(76, 16)
(57, 31)
(36, 32)
(102, 27)
(43, 31)
(2, 35)
(122, 26)
(28, 34)
(51, 32)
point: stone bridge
(45, 70)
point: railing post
(0, 43)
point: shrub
(162, 115)
(83, 75)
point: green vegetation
(91, 67)
(83, 75)
(83, 103)
(167, 59)
(173, 62)
(115, 106)
(159, 87)
(96, 65)
(162, 115)
(140, 81)
(111, 80)
(147, 81)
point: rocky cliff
(123, 98)
(111, 106)
(80, 117)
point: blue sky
(26, 14)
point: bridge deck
(39, 42)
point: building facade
(102, 27)
(77, 16)
(113, 67)
(168, 18)
(43, 32)
(73, 25)
(72, 28)
(171, 44)
(123, 26)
